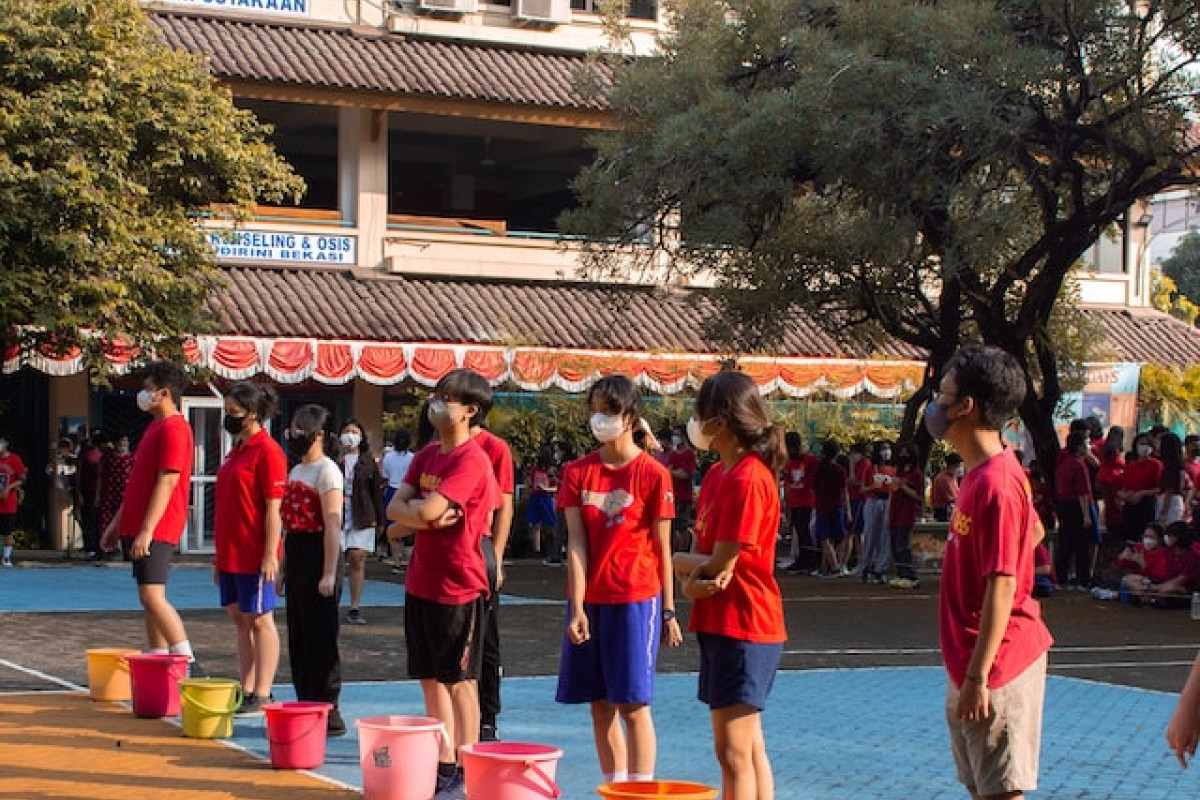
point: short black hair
(468, 387)
(257, 398)
(993, 378)
(1076, 440)
(618, 395)
(167, 375)
(401, 439)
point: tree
(1166, 298)
(926, 171)
(1183, 266)
(112, 147)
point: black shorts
(154, 568)
(444, 641)
(8, 524)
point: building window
(637, 9)
(306, 137)
(501, 179)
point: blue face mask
(936, 421)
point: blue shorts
(389, 492)
(735, 672)
(617, 663)
(830, 525)
(252, 594)
(540, 510)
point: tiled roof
(342, 304)
(340, 58)
(1148, 336)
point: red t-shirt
(876, 479)
(166, 446)
(253, 473)
(447, 565)
(863, 479)
(944, 489)
(12, 470)
(991, 533)
(1071, 480)
(685, 459)
(829, 487)
(500, 456)
(798, 477)
(741, 505)
(619, 507)
(1143, 474)
(902, 511)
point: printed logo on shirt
(429, 483)
(960, 525)
(613, 504)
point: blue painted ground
(111, 588)
(831, 735)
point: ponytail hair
(734, 397)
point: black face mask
(298, 446)
(234, 425)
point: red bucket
(510, 771)
(154, 682)
(296, 733)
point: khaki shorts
(361, 539)
(999, 754)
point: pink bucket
(399, 756)
(510, 771)
(154, 683)
(296, 733)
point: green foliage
(1165, 297)
(931, 172)
(1183, 267)
(111, 148)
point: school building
(438, 139)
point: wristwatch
(668, 614)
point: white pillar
(363, 178)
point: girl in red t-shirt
(904, 507)
(729, 575)
(247, 531)
(618, 505)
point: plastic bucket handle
(541, 773)
(196, 704)
(301, 734)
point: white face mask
(606, 427)
(3, 447)
(145, 400)
(695, 432)
(1149, 542)
(959, 472)
(1144, 450)
(886, 455)
(676, 439)
(1169, 541)
(351, 440)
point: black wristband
(668, 614)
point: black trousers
(1074, 545)
(489, 675)
(89, 520)
(312, 620)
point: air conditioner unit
(546, 12)
(448, 6)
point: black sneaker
(335, 726)
(355, 617)
(451, 787)
(252, 705)
(488, 733)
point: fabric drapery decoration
(532, 369)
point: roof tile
(340, 58)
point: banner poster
(1109, 394)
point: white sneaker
(6, 562)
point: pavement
(855, 712)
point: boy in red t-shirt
(12, 478)
(680, 460)
(151, 519)
(495, 544)
(448, 499)
(798, 474)
(993, 640)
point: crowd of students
(294, 528)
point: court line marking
(178, 723)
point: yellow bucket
(108, 674)
(207, 705)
